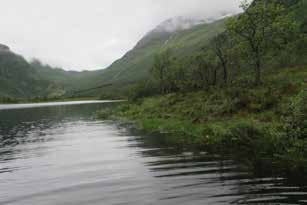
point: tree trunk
(163, 89)
(258, 72)
(225, 74)
(214, 77)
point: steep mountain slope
(21, 79)
(16, 77)
(185, 40)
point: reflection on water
(62, 155)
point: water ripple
(61, 155)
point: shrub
(296, 117)
(105, 114)
(8, 100)
(143, 89)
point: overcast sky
(90, 34)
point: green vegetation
(263, 27)
(44, 99)
(242, 91)
(123, 75)
(260, 124)
(15, 80)
(23, 80)
(135, 67)
(8, 100)
(266, 37)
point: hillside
(29, 80)
(136, 64)
(22, 79)
(17, 77)
(185, 43)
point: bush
(296, 117)
(294, 153)
(253, 137)
(105, 114)
(8, 100)
(143, 89)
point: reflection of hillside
(32, 125)
(191, 175)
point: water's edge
(64, 155)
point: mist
(88, 35)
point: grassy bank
(260, 125)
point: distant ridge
(178, 24)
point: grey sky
(90, 34)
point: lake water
(62, 155)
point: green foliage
(259, 125)
(105, 114)
(294, 154)
(222, 47)
(24, 80)
(163, 70)
(296, 117)
(262, 27)
(8, 100)
(143, 89)
(204, 73)
(261, 37)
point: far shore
(54, 103)
(51, 100)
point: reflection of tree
(210, 177)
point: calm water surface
(62, 155)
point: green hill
(21, 79)
(136, 64)
(17, 77)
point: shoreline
(263, 126)
(51, 104)
(5, 101)
(240, 150)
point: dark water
(63, 156)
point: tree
(178, 78)
(201, 71)
(205, 71)
(143, 89)
(162, 69)
(263, 25)
(220, 46)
